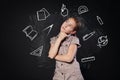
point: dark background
(18, 64)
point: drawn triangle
(37, 52)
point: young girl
(64, 48)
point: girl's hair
(79, 22)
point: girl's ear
(73, 32)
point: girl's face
(68, 26)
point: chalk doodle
(102, 41)
(30, 33)
(64, 10)
(82, 9)
(49, 27)
(42, 14)
(99, 20)
(87, 59)
(87, 36)
(38, 51)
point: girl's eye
(70, 26)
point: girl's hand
(62, 35)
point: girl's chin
(64, 31)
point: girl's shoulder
(53, 39)
(75, 40)
(73, 37)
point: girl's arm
(69, 56)
(54, 47)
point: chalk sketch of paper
(37, 52)
(42, 14)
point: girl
(64, 48)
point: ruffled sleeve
(52, 40)
(75, 40)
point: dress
(64, 70)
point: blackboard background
(18, 64)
